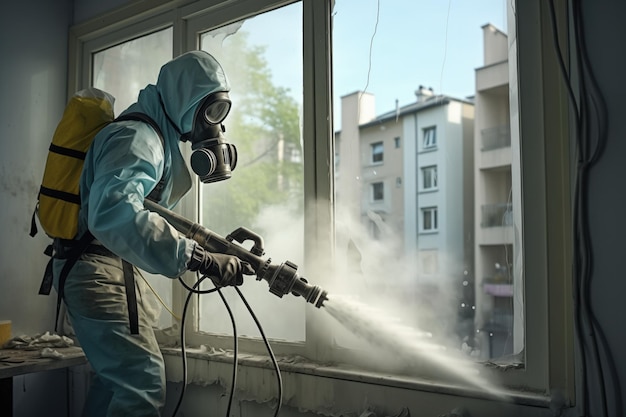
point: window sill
(429, 149)
(212, 366)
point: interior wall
(33, 83)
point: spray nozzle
(284, 279)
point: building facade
(494, 199)
(406, 177)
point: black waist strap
(71, 252)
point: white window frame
(429, 172)
(430, 215)
(377, 152)
(542, 112)
(429, 139)
(373, 187)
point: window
(288, 160)
(429, 219)
(429, 175)
(264, 124)
(124, 69)
(430, 137)
(377, 152)
(378, 191)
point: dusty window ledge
(297, 365)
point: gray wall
(33, 72)
(604, 25)
(33, 82)
(33, 87)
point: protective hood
(185, 81)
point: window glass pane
(377, 152)
(430, 137)
(430, 177)
(378, 191)
(442, 88)
(262, 57)
(123, 70)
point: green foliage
(264, 120)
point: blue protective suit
(124, 163)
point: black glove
(224, 270)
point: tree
(264, 125)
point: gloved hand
(224, 270)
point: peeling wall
(311, 389)
(33, 79)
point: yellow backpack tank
(87, 112)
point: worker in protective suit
(124, 164)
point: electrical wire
(233, 380)
(586, 113)
(269, 351)
(169, 310)
(195, 290)
(445, 47)
(369, 64)
(182, 349)
(191, 291)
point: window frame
(433, 219)
(429, 137)
(545, 166)
(377, 150)
(433, 184)
(373, 187)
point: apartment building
(494, 199)
(407, 176)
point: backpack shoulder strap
(155, 194)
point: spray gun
(282, 279)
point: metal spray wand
(282, 279)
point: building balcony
(496, 225)
(496, 215)
(498, 289)
(495, 148)
(495, 138)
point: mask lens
(216, 112)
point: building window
(429, 219)
(396, 142)
(378, 191)
(377, 152)
(430, 137)
(429, 176)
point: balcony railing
(497, 215)
(495, 138)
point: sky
(389, 47)
(435, 43)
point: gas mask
(212, 158)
